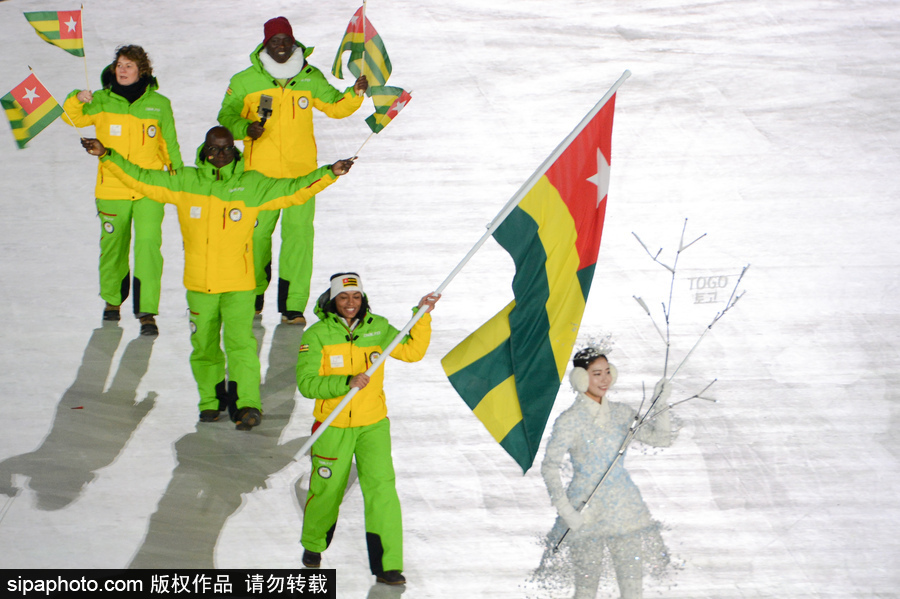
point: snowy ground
(772, 127)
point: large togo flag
(509, 370)
(29, 108)
(60, 28)
(367, 54)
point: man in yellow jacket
(270, 107)
(218, 203)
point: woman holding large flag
(134, 119)
(269, 106)
(334, 357)
(615, 519)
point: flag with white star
(60, 28)
(29, 107)
(509, 370)
(389, 101)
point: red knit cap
(275, 26)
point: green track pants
(295, 259)
(332, 455)
(116, 219)
(229, 317)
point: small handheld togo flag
(29, 108)
(60, 28)
(389, 101)
(367, 53)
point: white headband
(345, 281)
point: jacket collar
(256, 60)
(208, 171)
(598, 411)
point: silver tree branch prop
(643, 417)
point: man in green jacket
(218, 203)
(270, 107)
(334, 357)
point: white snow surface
(772, 127)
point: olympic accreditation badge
(235, 214)
(151, 131)
(303, 102)
(324, 471)
(108, 227)
(373, 357)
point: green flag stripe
(585, 278)
(516, 445)
(534, 362)
(40, 124)
(475, 380)
(42, 15)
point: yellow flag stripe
(565, 304)
(48, 26)
(487, 338)
(499, 410)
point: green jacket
(331, 355)
(217, 210)
(143, 132)
(287, 148)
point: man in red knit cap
(269, 106)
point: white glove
(572, 517)
(663, 389)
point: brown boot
(148, 326)
(111, 312)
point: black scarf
(131, 92)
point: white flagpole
(86, 78)
(506, 211)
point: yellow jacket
(287, 148)
(143, 132)
(217, 210)
(331, 355)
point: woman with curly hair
(130, 116)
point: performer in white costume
(591, 432)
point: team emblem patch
(304, 348)
(151, 131)
(324, 471)
(303, 102)
(195, 211)
(108, 227)
(235, 215)
(350, 282)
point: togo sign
(706, 290)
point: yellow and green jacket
(331, 354)
(217, 210)
(287, 148)
(143, 132)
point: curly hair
(138, 56)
